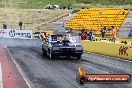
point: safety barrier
(111, 49)
(23, 34)
(11, 33)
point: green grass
(37, 4)
(36, 18)
(76, 4)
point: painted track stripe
(1, 82)
(26, 79)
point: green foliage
(37, 4)
(42, 3)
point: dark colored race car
(58, 45)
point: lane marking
(1, 82)
(24, 76)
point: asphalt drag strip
(60, 73)
(42, 72)
(9, 74)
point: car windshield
(59, 38)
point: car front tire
(44, 53)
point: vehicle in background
(62, 45)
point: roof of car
(58, 34)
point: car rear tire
(44, 53)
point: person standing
(113, 34)
(103, 31)
(20, 25)
(83, 36)
(4, 26)
(43, 36)
(90, 36)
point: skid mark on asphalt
(60, 72)
(1, 82)
(51, 69)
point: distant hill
(37, 4)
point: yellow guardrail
(111, 49)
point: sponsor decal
(26, 35)
(2, 32)
(12, 33)
(123, 50)
(83, 77)
(20, 34)
(36, 35)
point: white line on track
(26, 79)
(1, 82)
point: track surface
(41, 72)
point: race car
(57, 45)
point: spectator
(43, 36)
(83, 36)
(113, 34)
(130, 33)
(20, 25)
(4, 26)
(90, 36)
(103, 31)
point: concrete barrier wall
(111, 49)
(23, 34)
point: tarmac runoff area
(9, 74)
(23, 66)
